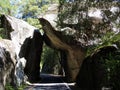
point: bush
(112, 68)
(50, 61)
(9, 87)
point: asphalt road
(50, 82)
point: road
(50, 82)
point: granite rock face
(18, 31)
(7, 63)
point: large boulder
(99, 70)
(7, 63)
(20, 32)
(31, 50)
(17, 30)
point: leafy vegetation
(112, 68)
(9, 87)
(31, 9)
(107, 40)
(2, 33)
(50, 61)
(91, 32)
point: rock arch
(73, 54)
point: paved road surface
(48, 86)
(50, 82)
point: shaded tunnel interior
(51, 61)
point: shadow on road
(51, 82)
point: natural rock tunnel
(28, 42)
(71, 56)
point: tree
(7, 7)
(50, 61)
(31, 9)
(95, 21)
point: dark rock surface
(31, 50)
(92, 73)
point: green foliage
(5, 7)
(21, 87)
(112, 68)
(50, 60)
(9, 87)
(2, 33)
(75, 15)
(35, 7)
(8, 7)
(44, 8)
(110, 39)
(107, 40)
(31, 9)
(34, 22)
